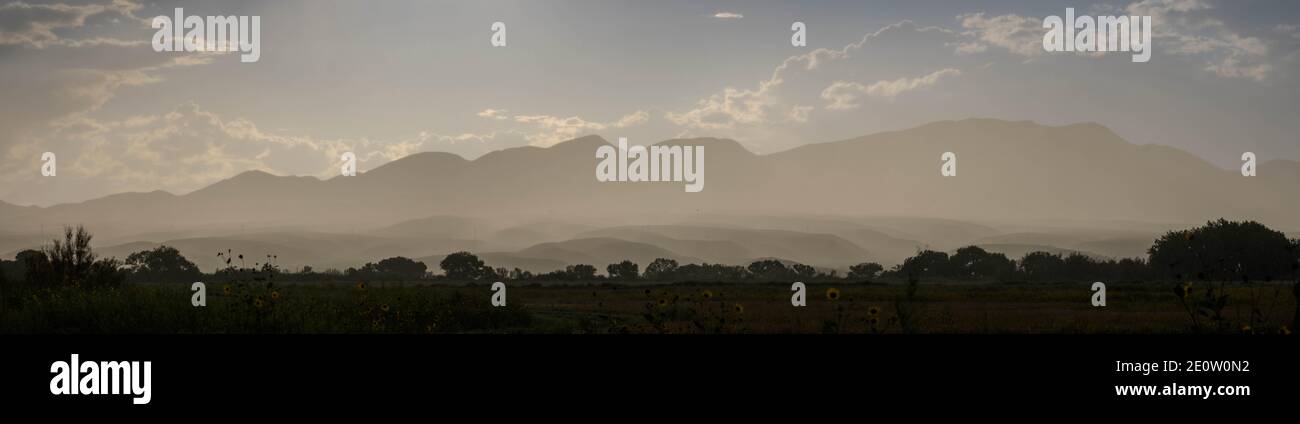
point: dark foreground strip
(495, 373)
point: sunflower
(707, 294)
(1284, 331)
(275, 295)
(833, 294)
(873, 311)
(647, 292)
(663, 303)
(874, 321)
(740, 309)
(258, 303)
(383, 307)
(361, 285)
(226, 289)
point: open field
(421, 307)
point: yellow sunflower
(383, 307)
(873, 311)
(740, 309)
(275, 295)
(833, 294)
(707, 295)
(361, 285)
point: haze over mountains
(1020, 187)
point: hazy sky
(390, 78)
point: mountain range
(1020, 186)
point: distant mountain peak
(712, 144)
(587, 141)
(255, 173)
(419, 160)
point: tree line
(1218, 251)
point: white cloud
(1180, 28)
(498, 114)
(1182, 25)
(762, 105)
(843, 95)
(36, 25)
(1018, 34)
(728, 15)
(95, 87)
(556, 129)
(190, 147)
(966, 48)
(1233, 67)
(1161, 8)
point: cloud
(191, 147)
(966, 48)
(1181, 27)
(498, 114)
(1290, 30)
(40, 102)
(845, 95)
(1233, 66)
(36, 25)
(762, 105)
(1017, 34)
(95, 87)
(1161, 8)
(728, 15)
(556, 129)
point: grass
(395, 307)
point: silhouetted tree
(626, 270)
(462, 266)
(21, 260)
(1080, 267)
(162, 264)
(72, 263)
(519, 274)
(396, 267)
(1223, 250)
(580, 272)
(1131, 269)
(926, 264)
(662, 269)
(710, 273)
(865, 271)
(975, 263)
(769, 270)
(803, 272)
(1042, 266)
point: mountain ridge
(1007, 170)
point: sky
(392, 78)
